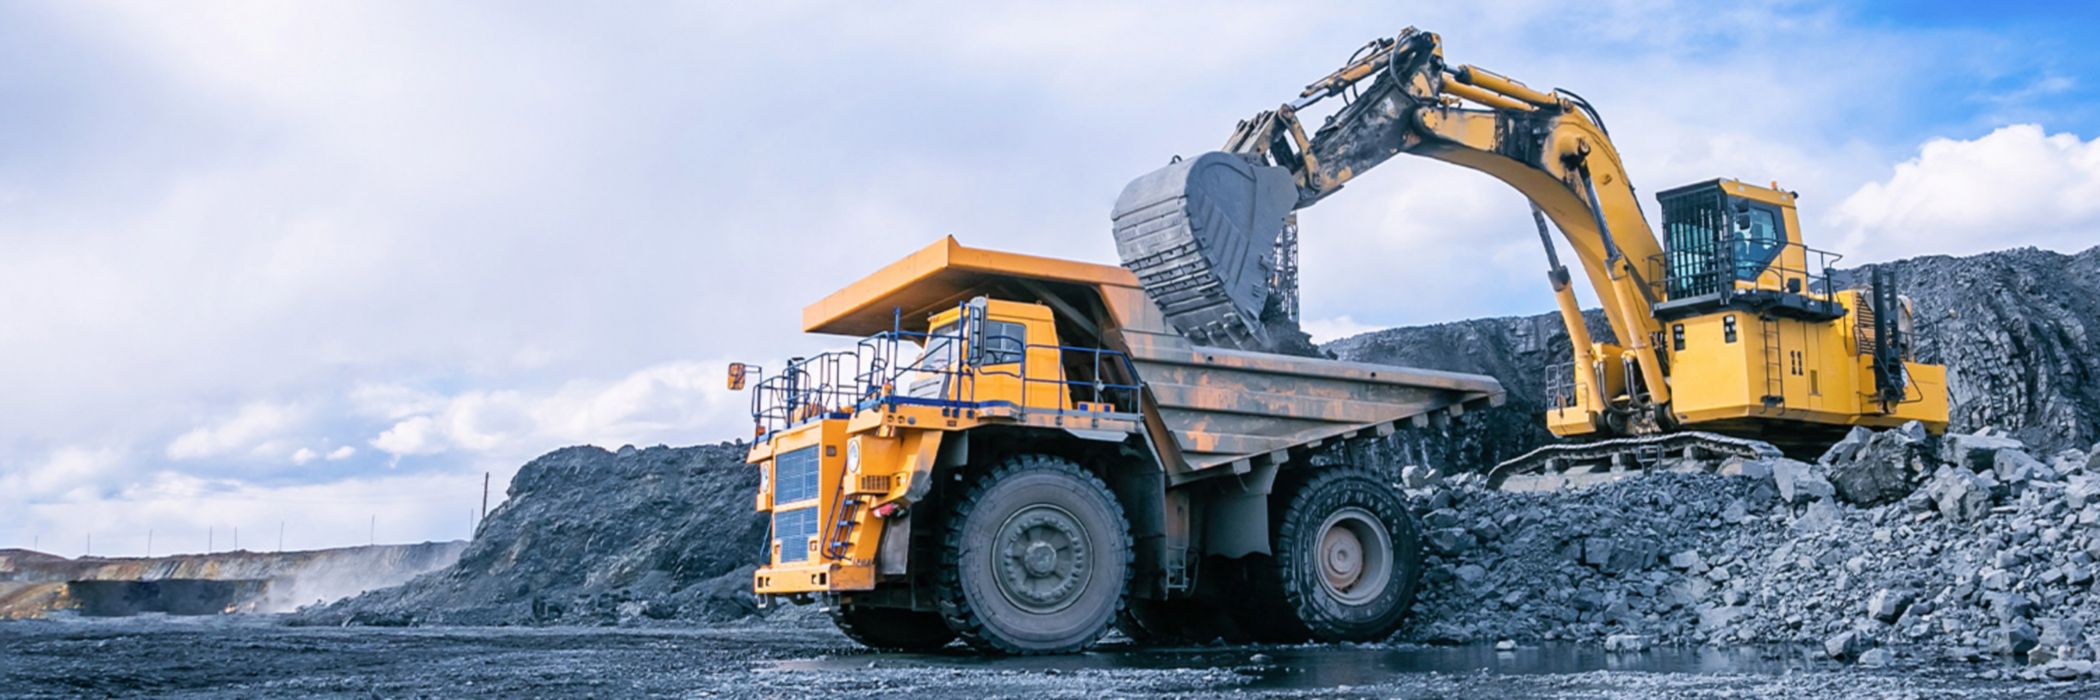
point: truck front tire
(1036, 559)
(1347, 560)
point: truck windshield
(926, 376)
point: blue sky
(314, 263)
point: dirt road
(254, 657)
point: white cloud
(304, 455)
(1325, 329)
(2015, 186)
(251, 429)
(341, 453)
(68, 472)
(679, 402)
(185, 513)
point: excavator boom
(1199, 233)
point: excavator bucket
(1200, 235)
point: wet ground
(254, 657)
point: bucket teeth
(1199, 234)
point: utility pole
(236, 538)
(280, 535)
(149, 543)
(484, 495)
(210, 533)
(90, 549)
(373, 534)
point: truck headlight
(853, 455)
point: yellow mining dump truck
(1021, 452)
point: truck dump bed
(1222, 407)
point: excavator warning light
(737, 370)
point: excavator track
(1566, 462)
(1199, 235)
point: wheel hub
(1354, 553)
(1342, 558)
(1041, 558)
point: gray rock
(1880, 474)
(1715, 618)
(1625, 642)
(1687, 560)
(1960, 495)
(1887, 605)
(2059, 631)
(1975, 452)
(2014, 465)
(1848, 448)
(2013, 639)
(1596, 552)
(1798, 482)
(1453, 540)
(1876, 658)
(1415, 476)
(1820, 516)
(1847, 644)
(1506, 645)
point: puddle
(1327, 666)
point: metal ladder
(1775, 362)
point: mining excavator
(1729, 335)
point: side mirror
(737, 372)
(973, 322)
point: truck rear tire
(1035, 559)
(892, 629)
(1347, 559)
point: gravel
(1968, 546)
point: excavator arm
(1402, 97)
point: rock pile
(1964, 545)
(593, 537)
(2015, 328)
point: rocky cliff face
(590, 536)
(33, 584)
(2016, 329)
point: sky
(318, 267)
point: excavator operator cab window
(1758, 240)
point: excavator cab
(1732, 245)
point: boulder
(1878, 475)
(1960, 495)
(2013, 639)
(2016, 466)
(1798, 482)
(1848, 644)
(1849, 448)
(1975, 452)
(1887, 605)
(1876, 658)
(1688, 560)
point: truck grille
(795, 476)
(792, 531)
